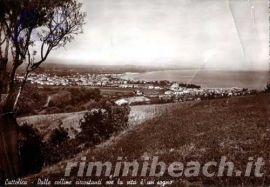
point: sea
(207, 78)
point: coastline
(207, 78)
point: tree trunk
(9, 150)
(9, 159)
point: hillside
(47, 122)
(203, 131)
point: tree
(99, 125)
(29, 31)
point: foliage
(60, 99)
(74, 97)
(189, 85)
(58, 136)
(90, 105)
(99, 125)
(233, 127)
(162, 100)
(82, 95)
(34, 100)
(54, 154)
(31, 100)
(57, 146)
(53, 110)
(69, 108)
(30, 147)
(29, 31)
(51, 23)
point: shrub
(31, 100)
(61, 99)
(56, 147)
(25, 108)
(69, 108)
(82, 95)
(99, 125)
(30, 147)
(54, 154)
(58, 136)
(91, 104)
(53, 110)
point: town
(138, 92)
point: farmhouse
(138, 92)
(174, 86)
(132, 100)
(121, 102)
(158, 88)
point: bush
(83, 95)
(31, 100)
(61, 99)
(99, 125)
(69, 108)
(53, 110)
(30, 147)
(91, 105)
(66, 150)
(58, 136)
(56, 147)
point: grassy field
(105, 90)
(48, 122)
(115, 90)
(204, 131)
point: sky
(216, 34)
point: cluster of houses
(94, 80)
(74, 80)
(176, 93)
(147, 86)
(168, 92)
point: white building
(138, 92)
(151, 87)
(169, 92)
(131, 100)
(158, 88)
(174, 86)
(121, 102)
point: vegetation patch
(234, 127)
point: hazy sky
(221, 34)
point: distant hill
(58, 68)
